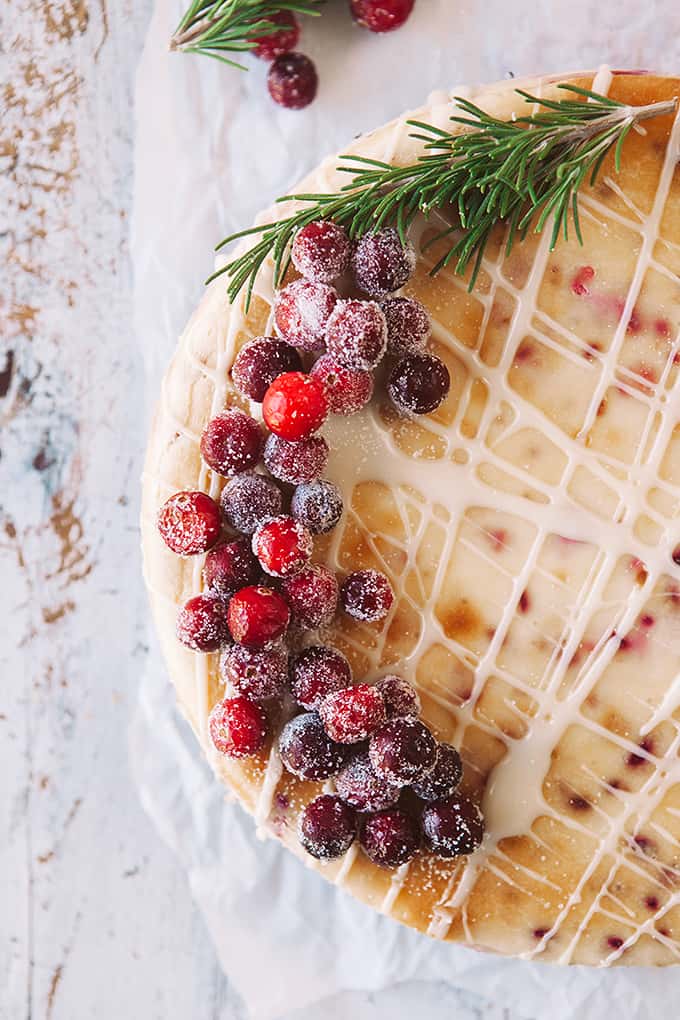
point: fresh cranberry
(352, 714)
(327, 827)
(390, 838)
(381, 15)
(362, 788)
(238, 727)
(444, 778)
(232, 442)
(408, 325)
(295, 405)
(189, 523)
(257, 616)
(356, 334)
(381, 263)
(418, 383)
(301, 312)
(403, 751)
(312, 595)
(317, 505)
(249, 499)
(260, 362)
(272, 44)
(318, 671)
(296, 462)
(452, 827)
(367, 595)
(282, 545)
(401, 698)
(260, 674)
(320, 251)
(307, 751)
(292, 81)
(231, 566)
(348, 389)
(202, 623)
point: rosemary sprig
(213, 27)
(520, 173)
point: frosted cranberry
(295, 406)
(366, 595)
(401, 698)
(452, 827)
(327, 827)
(296, 462)
(390, 838)
(317, 672)
(282, 545)
(381, 15)
(317, 505)
(284, 39)
(352, 714)
(260, 362)
(238, 727)
(257, 616)
(231, 566)
(302, 311)
(381, 263)
(348, 389)
(403, 751)
(362, 788)
(189, 523)
(249, 499)
(356, 334)
(320, 251)
(444, 778)
(408, 325)
(307, 751)
(259, 674)
(418, 383)
(232, 442)
(312, 595)
(292, 81)
(202, 623)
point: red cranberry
(258, 674)
(312, 595)
(295, 405)
(327, 827)
(444, 778)
(317, 672)
(401, 698)
(272, 44)
(232, 442)
(317, 505)
(292, 81)
(189, 523)
(390, 838)
(367, 595)
(452, 827)
(238, 727)
(418, 383)
(408, 325)
(356, 334)
(362, 788)
(296, 462)
(249, 499)
(352, 714)
(381, 263)
(307, 751)
(301, 313)
(403, 751)
(260, 362)
(231, 566)
(320, 251)
(381, 15)
(257, 616)
(282, 545)
(202, 623)
(348, 389)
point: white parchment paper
(211, 150)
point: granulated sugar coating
(260, 362)
(318, 505)
(327, 827)
(231, 442)
(312, 595)
(367, 595)
(418, 383)
(297, 462)
(307, 751)
(230, 566)
(408, 325)
(301, 313)
(249, 499)
(360, 785)
(401, 698)
(282, 545)
(260, 674)
(381, 264)
(238, 727)
(348, 389)
(202, 623)
(316, 672)
(352, 714)
(189, 523)
(444, 778)
(403, 751)
(452, 827)
(320, 251)
(390, 838)
(357, 334)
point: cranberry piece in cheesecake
(320, 251)
(301, 313)
(232, 442)
(249, 499)
(444, 778)
(418, 383)
(231, 566)
(202, 623)
(296, 463)
(351, 715)
(348, 389)
(356, 334)
(390, 838)
(258, 616)
(381, 263)
(362, 788)
(452, 827)
(401, 698)
(260, 362)
(282, 40)
(295, 406)
(316, 672)
(367, 595)
(292, 81)
(381, 15)
(307, 751)
(260, 674)
(282, 545)
(403, 751)
(327, 827)
(312, 595)
(318, 505)
(237, 727)
(189, 523)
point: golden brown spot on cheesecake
(461, 620)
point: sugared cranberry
(292, 81)
(202, 623)
(302, 311)
(403, 751)
(352, 714)
(381, 263)
(231, 566)
(367, 595)
(401, 698)
(452, 827)
(348, 389)
(320, 251)
(356, 334)
(232, 442)
(257, 616)
(318, 671)
(284, 39)
(444, 778)
(317, 505)
(295, 406)
(327, 827)
(249, 499)
(296, 462)
(307, 751)
(362, 788)
(260, 362)
(282, 545)
(259, 674)
(408, 325)
(390, 838)
(189, 523)
(238, 727)
(418, 383)
(312, 595)
(381, 15)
